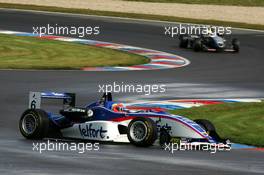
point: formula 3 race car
(106, 120)
(209, 43)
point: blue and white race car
(106, 120)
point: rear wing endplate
(35, 98)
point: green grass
(17, 52)
(240, 122)
(213, 2)
(133, 15)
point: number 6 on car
(34, 100)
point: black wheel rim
(29, 124)
(138, 131)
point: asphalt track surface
(209, 75)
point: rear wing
(36, 97)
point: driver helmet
(118, 107)
(210, 31)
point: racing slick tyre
(205, 124)
(210, 129)
(183, 42)
(197, 45)
(235, 44)
(142, 132)
(34, 124)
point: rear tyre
(197, 45)
(34, 124)
(183, 42)
(236, 45)
(142, 132)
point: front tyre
(236, 45)
(210, 129)
(206, 125)
(142, 132)
(34, 124)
